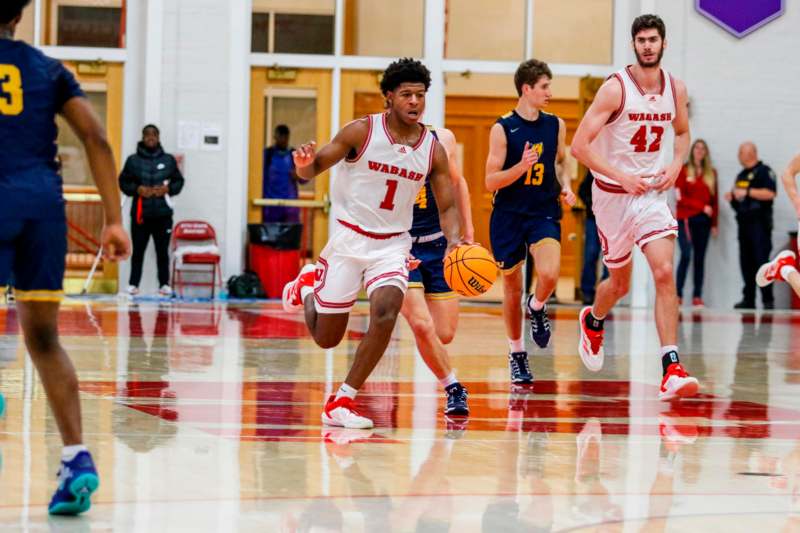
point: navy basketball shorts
(429, 275)
(32, 257)
(512, 234)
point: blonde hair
(709, 175)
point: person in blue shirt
(280, 178)
(33, 228)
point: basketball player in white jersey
(386, 159)
(784, 266)
(635, 113)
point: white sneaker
(165, 290)
(133, 290)
(590, 345)
(292, 298)
(677, 383)
(343, 413)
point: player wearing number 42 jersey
(33, 231)
(386, 158)
(635, 114)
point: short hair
(11, 9)
(405, 70)
(648, 22)
(528, 73)
(151, 127)
(281, 129)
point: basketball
(470, 270)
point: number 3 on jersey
(639, 139)
(10, 90)
(537, 169)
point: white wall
(197, 84)
(740, 89)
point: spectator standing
(279, 177)
(751, 198)
(151, 177)
(697, 214)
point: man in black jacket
(151, 176)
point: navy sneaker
(77, 480)
(540, 325)
(520, 369)
(456, 400)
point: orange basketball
(470, 270)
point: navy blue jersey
(535, 193)
(33, 89)
(426, 212)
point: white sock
(536, 305)
(516, 345)
(598, 317)
(347, 391)
(448, 380)
(68, 453)
(786, 270)
(666, 349)
(305, 291)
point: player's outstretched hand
(453, 245)
(635, 185)
(529, 156)
(568, 196)
(115, 242)
(304, 154)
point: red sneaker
(698, 302)
(343, 413)
(771, 271)
(292, 300)
(677, 383)
(591, 344)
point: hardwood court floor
(205, 417)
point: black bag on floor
(245, 285)
(279, 235)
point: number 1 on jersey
(388, 200)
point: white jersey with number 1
(377, 188)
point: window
(293, 27)
(93, 23)
(573, 31)
(485, 29)
(74, 163)
(369, 32)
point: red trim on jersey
(430, 157)
(654, 233)
(391, 139)
(674, 94)
(393, 274)
(362, 231)
(614, 116)
(366, 142)
(619, 260)
(636, 83)
(320, 301)
(609, 187)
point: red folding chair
(199, 234)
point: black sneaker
(520, 369)
(744, 305)
(456, 400)
(769, 305)
(540, 326)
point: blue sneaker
(520, 369)
(77, 480)
(540, 325)
(456, 400)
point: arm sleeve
(128, 182)
(66, 87)
(176, 181)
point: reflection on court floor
(205, 417)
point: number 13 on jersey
(10, 90)
(535, 174)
